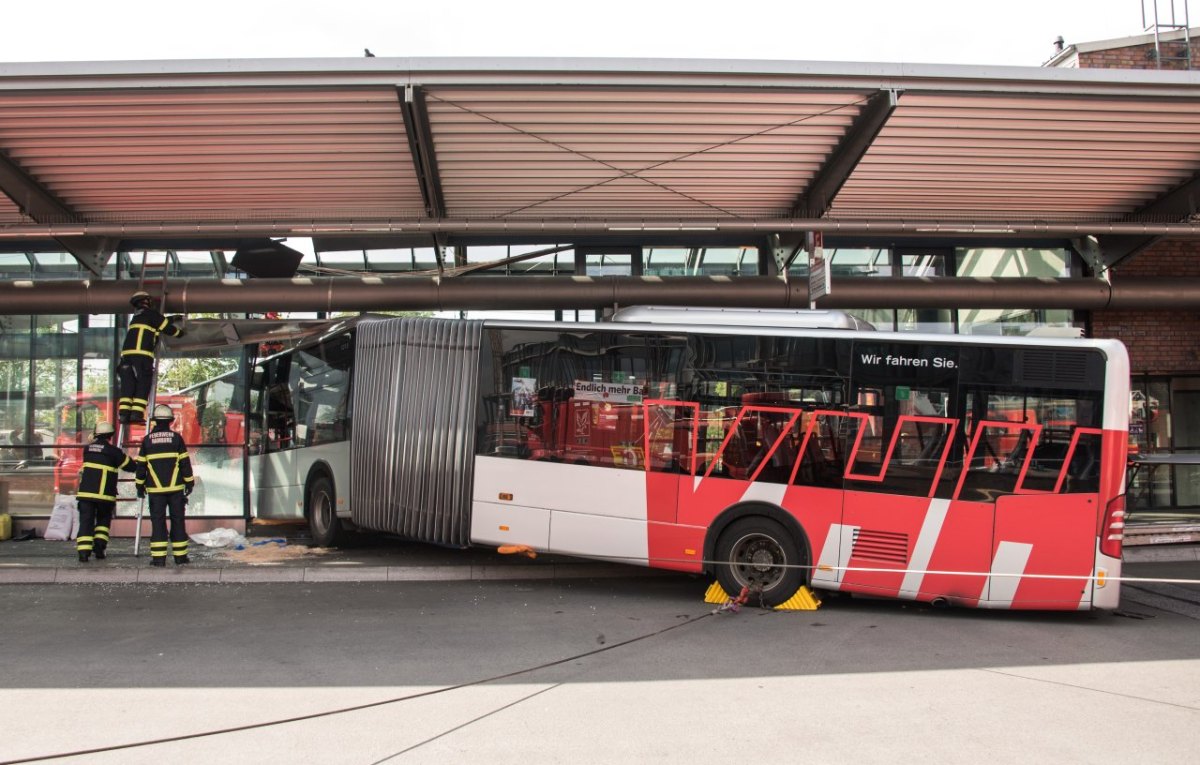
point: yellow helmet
(139, 298)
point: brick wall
(1140, 56)
(1159, 342)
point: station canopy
(92, 154)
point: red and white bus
(976, 471)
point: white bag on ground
(64, 519)
(219, 538)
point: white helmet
(104, 428)
(163, 412)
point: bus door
(900, 529)
(273, 481)
(670, 458)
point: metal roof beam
(817, 198)
(1178, 204)
(420, 145)
(38, 203)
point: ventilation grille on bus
(881, 546)
(1054, 368)
(413, 443)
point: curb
(315, 574)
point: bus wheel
(323, 522)
(755, 552)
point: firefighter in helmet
(164, 472)
(136, 370)
(97, 495)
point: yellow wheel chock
(803, 600)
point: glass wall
(57, 377)
(1164, 418)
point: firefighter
(97, 495)
(136, 370)
(164, 471)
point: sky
(1010, 32)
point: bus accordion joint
(525, 550)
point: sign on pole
(818, 267)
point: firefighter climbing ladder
(144, 285)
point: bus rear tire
(753, 552)
(321, 510)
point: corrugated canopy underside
(494, 141)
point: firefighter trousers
(94, 518)
(136, 373)
(173, 504)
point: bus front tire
(753, 552)
(321, 510)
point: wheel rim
(758, 562)
(322, 511)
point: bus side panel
(961, 551)
(896, 538)
(277, 479)
(702, 500)
(572, 509)
(273, 485)
(1047, 535)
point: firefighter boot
(182, 560)
(83, 557)
(99, 552)
(158, 562)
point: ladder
(125, 430)
(1173, 19)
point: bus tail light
(1112, 528)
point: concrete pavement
(281, 554)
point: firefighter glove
(141, 492)
(187, 489)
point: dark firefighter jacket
(163, 464)
(98, 476)
(144, 328)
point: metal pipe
(578, 292)
(565, 228)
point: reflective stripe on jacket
(163, 464)
(144, 328)
(98, 476)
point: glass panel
(1017, 262)
(923, 264)
(614, 264)
(667, 261)
(756, 400)
(856, 262)
(882, 319)
(728, 261)
(322, 385)
(1013, 262)
(219, 479)
(933, 320)
(573, 397)
(351, 260)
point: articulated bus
(975, 471)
